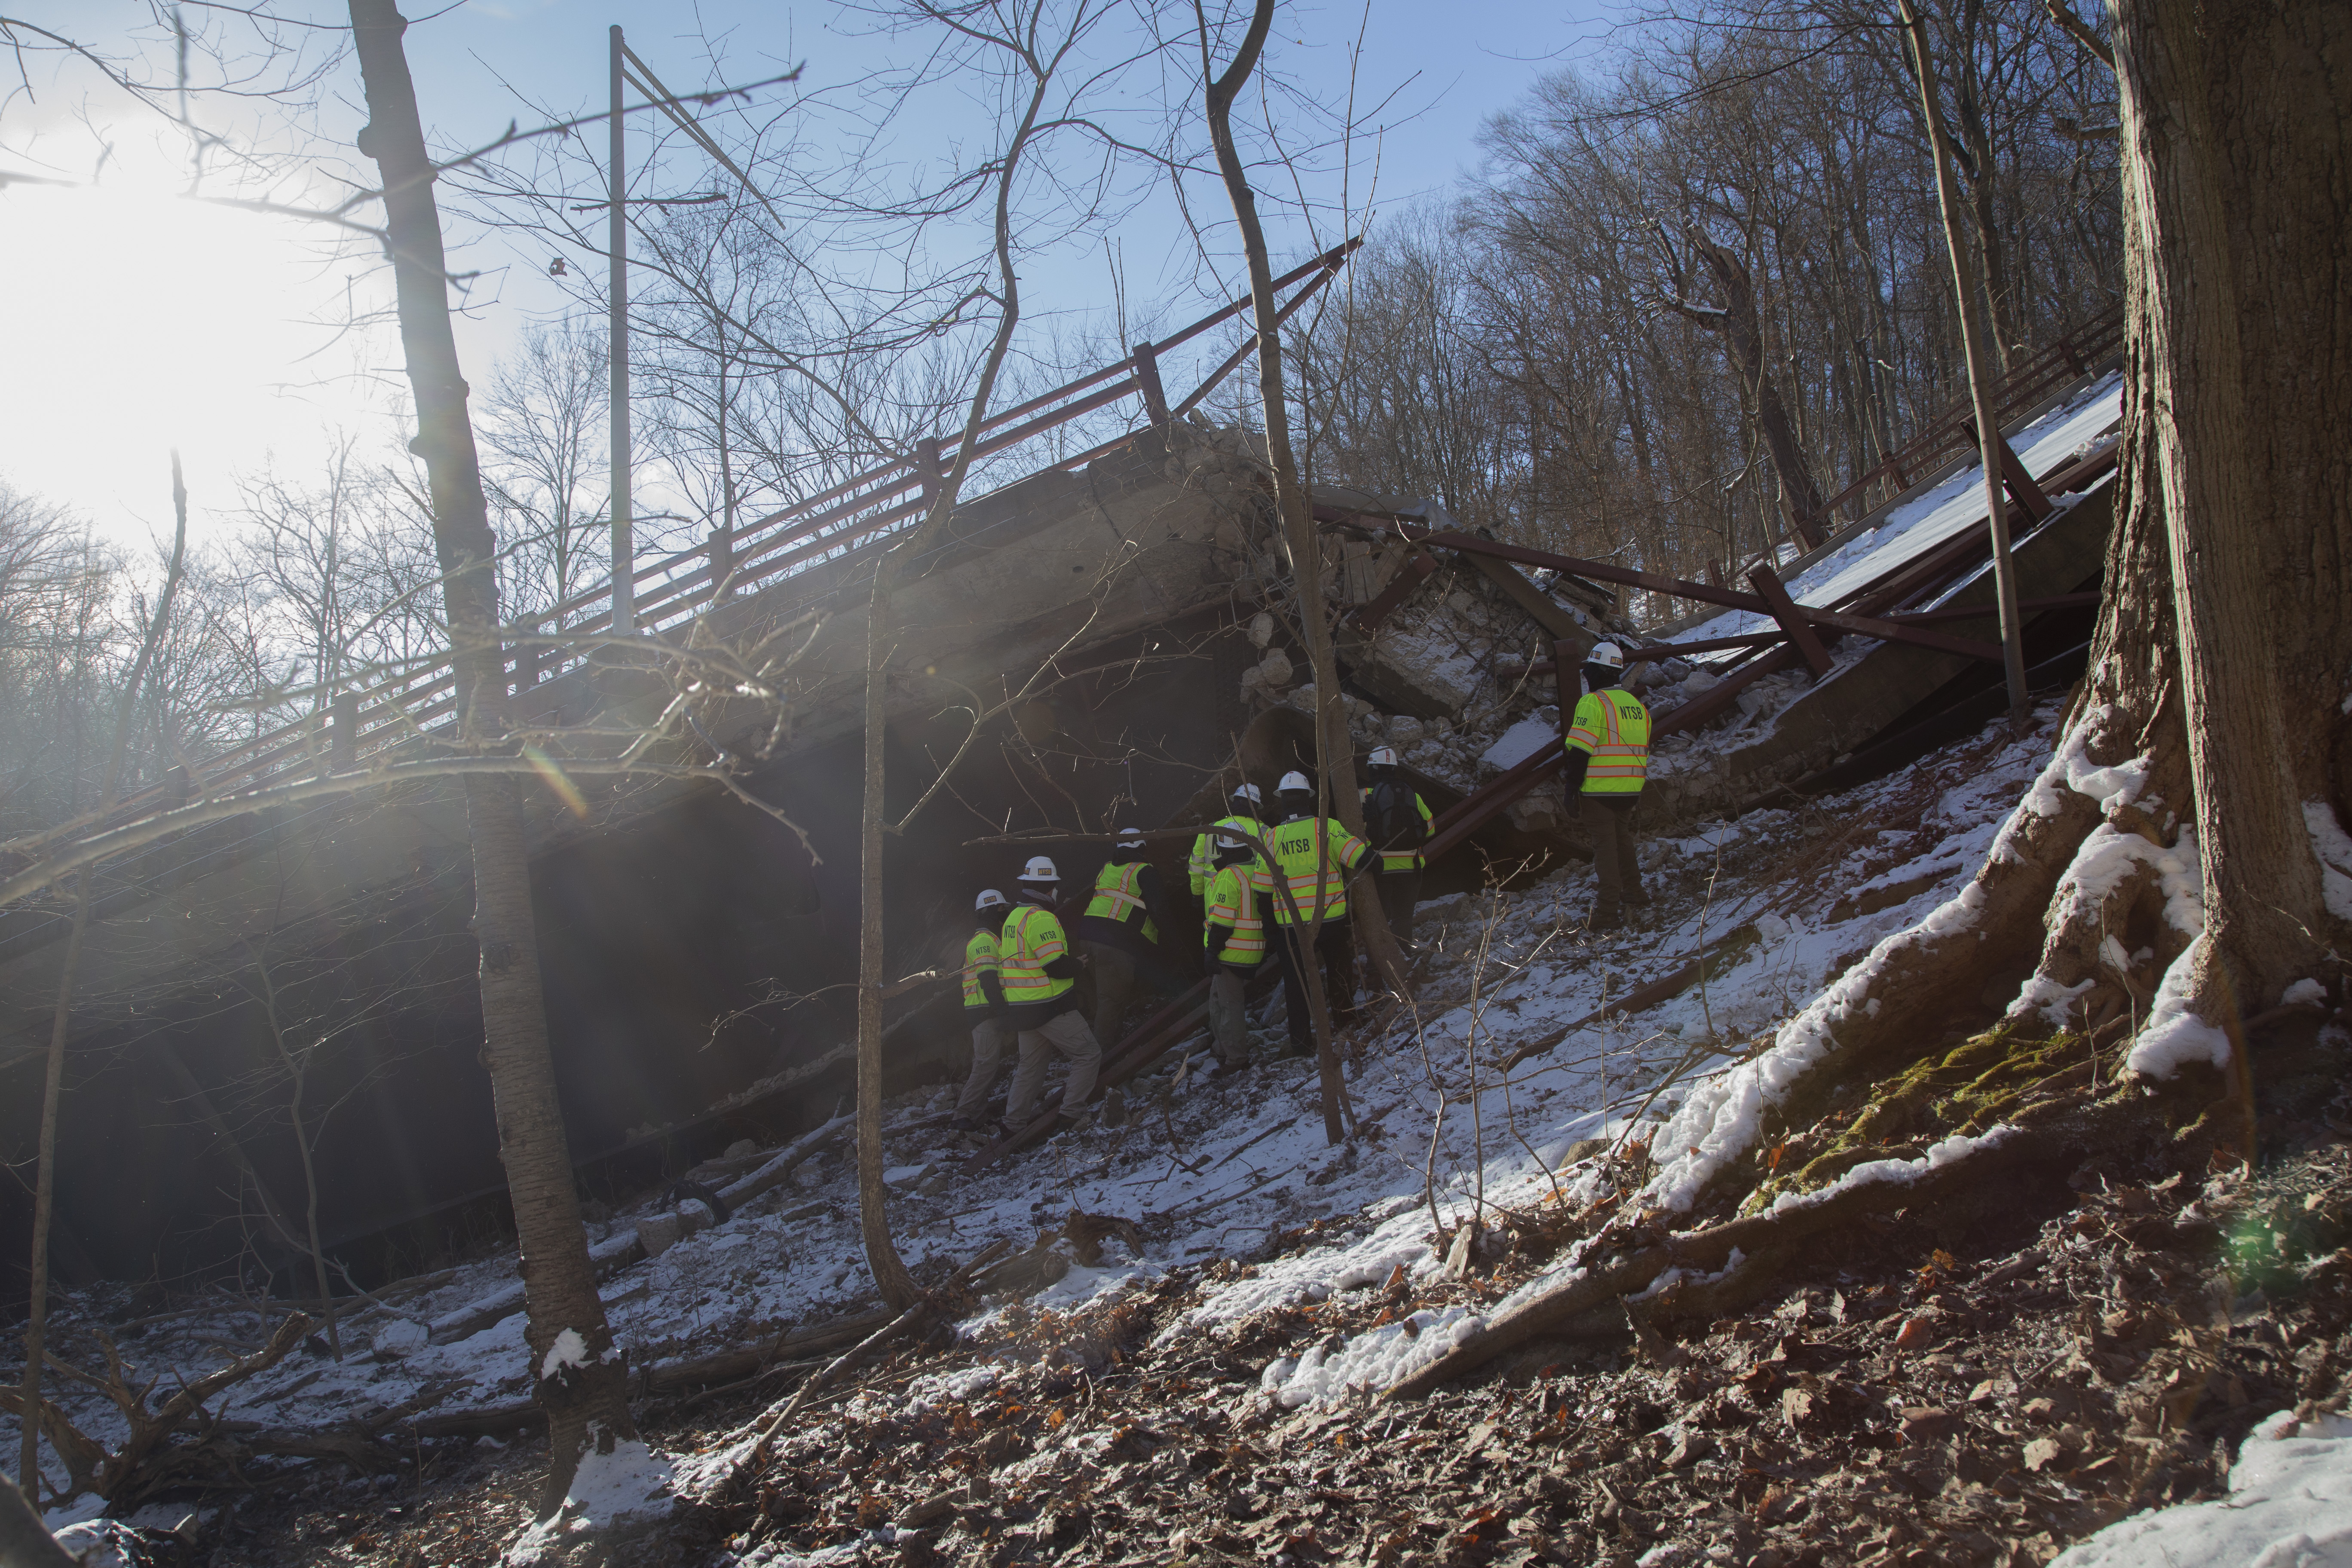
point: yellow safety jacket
(1314, 855)
(1032, 940)
(979, 958)
(1404, 860)
(1236, 895)
(1201, 864)
(1615, 728)
(1119, 897)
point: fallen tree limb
(1665, 988)
(1707, 1252)
(609, 1256)
(928, 1302)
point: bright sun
(136, 323)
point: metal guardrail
(677, 587)
(2069, 358)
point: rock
(1688, 1449)
(740, 1148)
(1927, 1424)
(1261, 629)
(398, 1339)
(1274, 671)
(1699, 683)
(916, 1515)
(1458, 1258)
(659, 1232)
(1403, 730)
(1539, 810)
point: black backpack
(1392, 819)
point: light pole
(624, 605)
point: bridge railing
(397, 707)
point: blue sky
(138, 323)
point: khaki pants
(1113, 969)
(1229, 1014)
(1616, 867)
(989, 1038)
(1067, 1034)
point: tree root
(1913, 983)
(1565, 1305)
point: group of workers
(1272, 888)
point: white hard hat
(1232, 838)
(989, 899)
(1605, 653)
(1385, 757)
(1247, 791)
(1130, 839)
(1295, 784)
(1040, 870)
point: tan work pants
(1067, 1034)
(1616, 867)
(989, 1038)
(1113, 969)
(1228, 1014)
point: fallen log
(928, 1302)
(1707, 1252)
(607, 1258)
(611, 1255)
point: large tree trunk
(2235, 213)
(2226, 582)
(581, 1382)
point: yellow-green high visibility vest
(1032, 940)
(1118, 893)
(1201, 864)
(1404, 860)
(979, 958)
(1612, 725)
(1315, 854)
(1237, 899)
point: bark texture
(1333, 754)
(582, 1383)
(1743, 337)
(2237, 194)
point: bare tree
(579, 1376)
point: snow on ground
(1239, 1169)
(2290, 1506)
(1926, 521)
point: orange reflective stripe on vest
(1033, 939)
(979, 958)
(1615, 728)
(1236, 900)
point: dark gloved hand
(1210, 963)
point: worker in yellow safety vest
(1120, 929)
(1396, 819)
(1313, 858)
(1232, 942)
(1201, 864)
(983, 1009)
(1039, 973)
(1607, 761)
